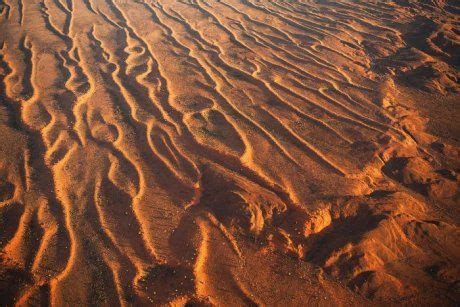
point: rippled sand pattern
(229, 152)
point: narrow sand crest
(233, 152)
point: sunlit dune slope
(229, 152)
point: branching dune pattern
(229, 152)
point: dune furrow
(136, 124)
(20, 11)
(209, 75)
(5, 11)
(37, 174)
(328, 163)
(229, 152)
(209, 78)
(309, 27)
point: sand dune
(229, 152)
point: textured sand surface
(229, 152)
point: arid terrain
(229, 152)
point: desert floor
(229, 152)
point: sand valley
(229, 152)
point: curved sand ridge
(233, 152)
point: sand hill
(229, 152)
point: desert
(229, 152)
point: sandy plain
(229, 152)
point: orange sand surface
(229, 152)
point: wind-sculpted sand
(229, 152)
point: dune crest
(234, 152)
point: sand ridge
(234, 152)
